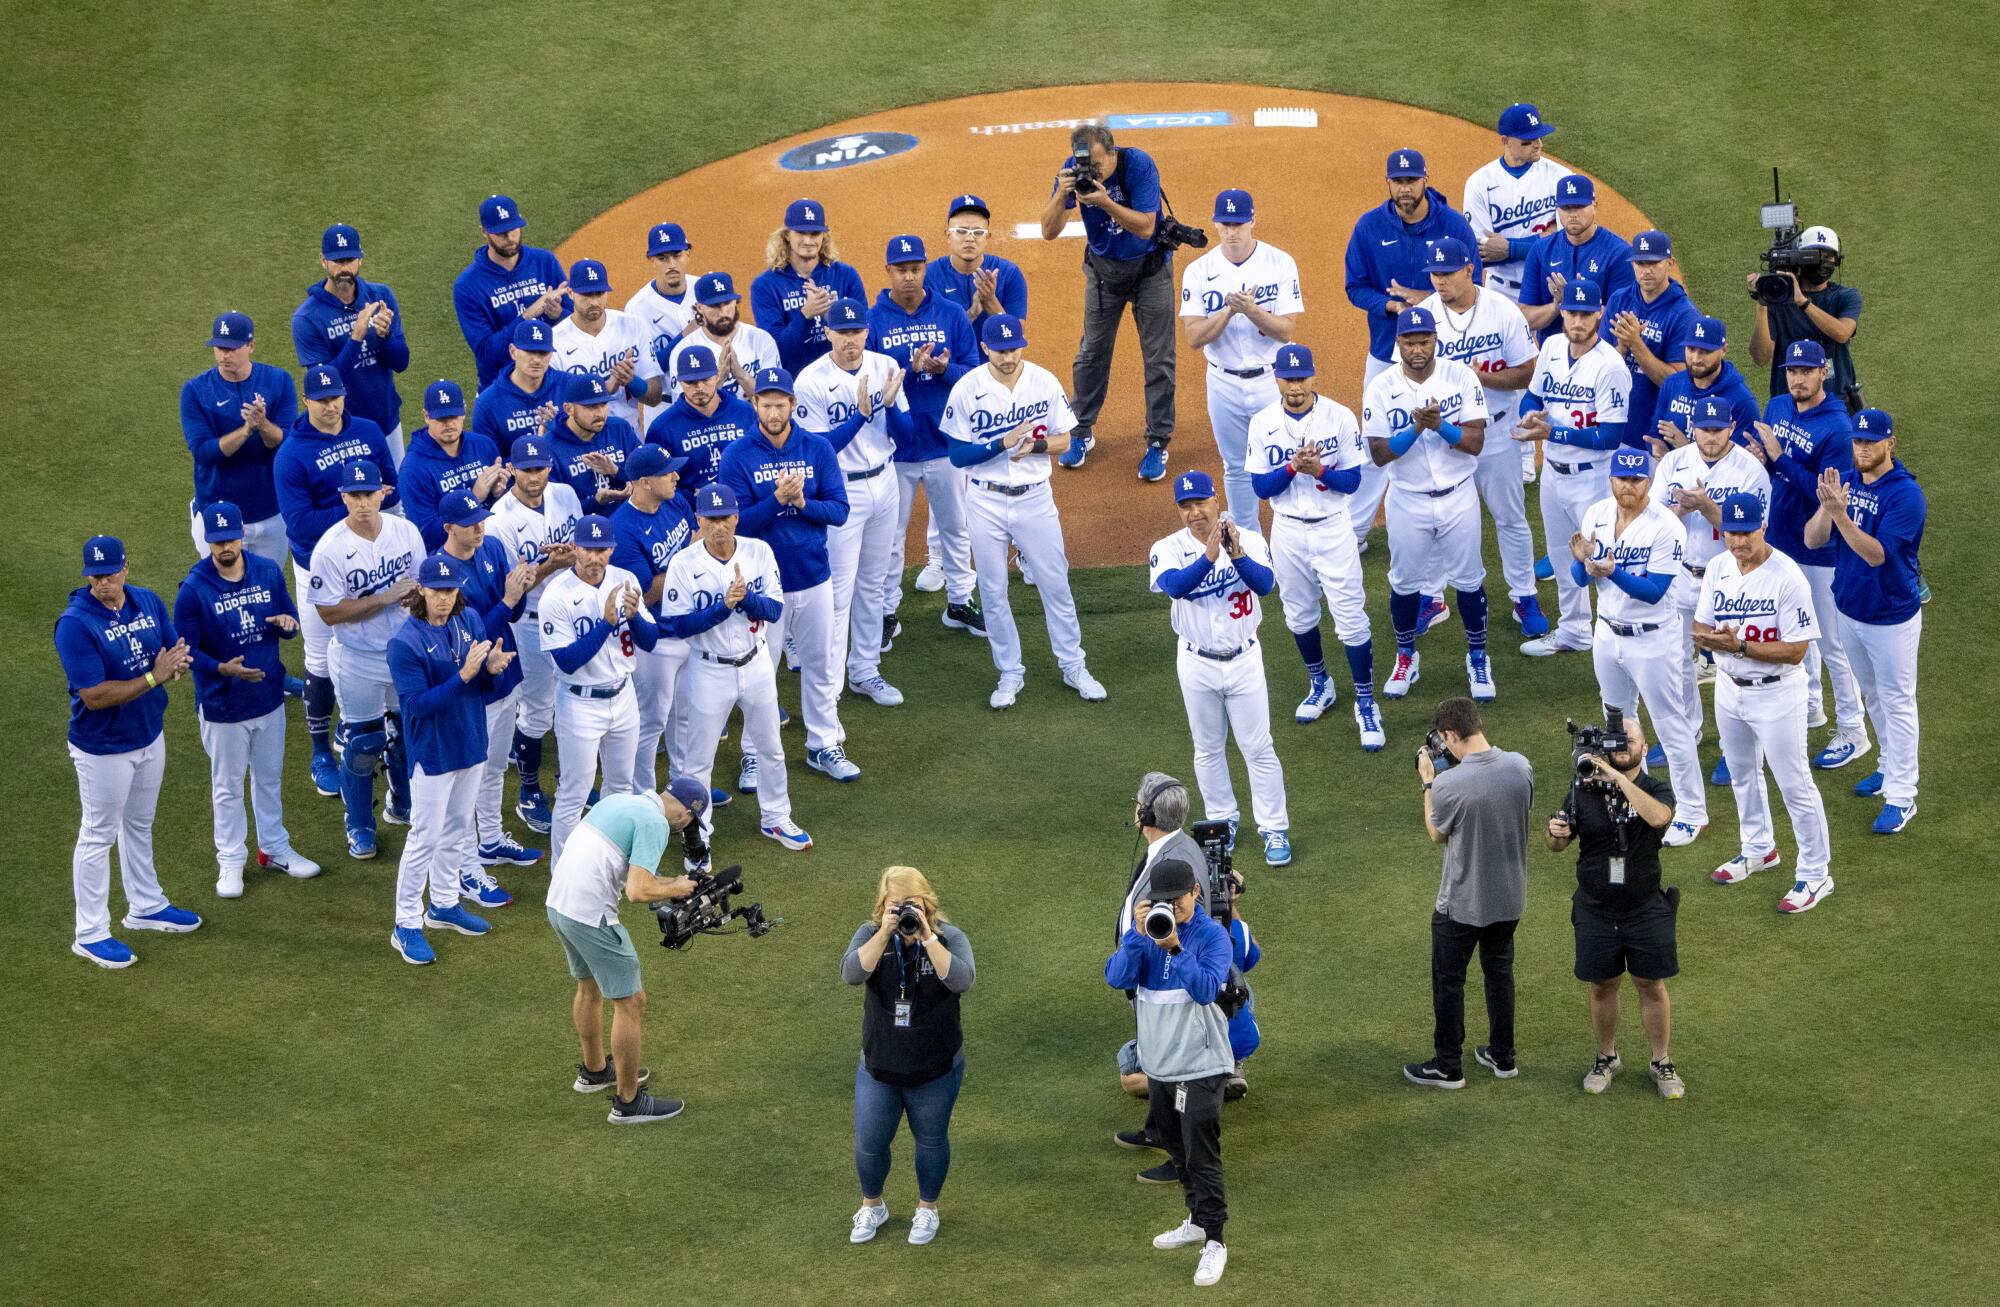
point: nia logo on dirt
(845, 151)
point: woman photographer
(915, 964)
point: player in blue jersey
(703, 422)
(526, 399)
(1709, 375)
(505, 282)
(356, 327)
(233, 418)
(591, 444)
(444, 457)
(1581, 250)
(803, 277)
(967, 275)
(1649, 324)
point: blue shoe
(455, 918)
(1720, 776)
(179, 921)
(720, 798)
(591, 801)
(1432, 613)
(533, 810)
(1656, 756)
(784, 718)
(415, 949)
(1890, 820)
(483, 889)
(1153, 467)
(361, 844)
(111, 954)
(1369, 721)
(394, 816)
(1841, 750)
(1529, 617)
(1277, 849)
(1544, 570)
(505, 849)
(295, 687)
(326, 774)
(1868, 786)
(1078, 450)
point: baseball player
(651, 527)
(1877, 511)
(1632, 548)
(967, 275)
(1214, 571)
(1804, 432)
(119, 651)
(1485, 331)
(847, 396)
(307, 474)
(791, 493)
(803, 278)
(1240, 302)
(233, 418)
(1305, 455)
(664, 306)
(535, 522)
(505, 283)
(722, 596)
(526, 399)
(233, 610)
(1385, 269)
(740, 349)
(1580, 251)
(1709, 374)
(594, 626)
(1650, 323)
(1425, 420)
(702, 422)
(445, 458)
(929, 337)
(608, 344)
(356, 328)
(591, 444)
(1755, 614)
(1577, 402)
(1003, 418)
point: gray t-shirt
(1481, 806)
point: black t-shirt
(1597, 841)
(1790, 323)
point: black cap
(1171, 879)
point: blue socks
(1361, 666)
(319, 712)
(1472, 611)
(1310, 650)
(1404, 610)
(528, 761)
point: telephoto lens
(1160, 920)
(909, 921)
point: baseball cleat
(483, 889)
(1894, 817)
(891, 628)
(1433, 613)
(1369, 720)
(1319, 698)
(325, 775)
(1277, 848)
(1544, 570)
(455, 918)
(1479, 676)
(1085, 685)
(507, 850)
(1841, 750)
(1404, 676)
(294, 864)
(1720, 776)
(1549, 645)
(1804, 897)
(1005, 693)
(784, 718)
(412, 946)
(1656, 757)
(1529, 617)
(1739, 868)
(720, 798)
(229, 883)
(746, 779)
(170, 920)
(1078, 450)
(1153, 467)
(111, 954)
(1815, 714)
(361, 845)
(1704, 668)
(965, 617)
(1682, 832)
(879, 690)
(533, 810)
(930, 580)
(1598, 1078)
(1868, 786)
(1668, 1080)
(834, 762)
(790, 834)
(394, 816)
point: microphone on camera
(729, 879)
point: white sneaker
(1704, 670)
(1369, 721)
(1004, 695)
(790, 834)
(867, 1221)
(1214, 1257)
(229, 883)
(1547, 645)
(1185, 1235)
(1405, 675)
(879, 690)
(1739, 868)
(1682, 832)
(924, 1226)
(1320, 697)
(294, 864)
(1805, 895)
(746, 779)
(1479, 676)
(1086, 685)
(931, 579)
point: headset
(1151, 787)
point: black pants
(1452, 944)
(1108, 286)
(1192, 1133)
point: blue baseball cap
(1234, 206)
(499, 213)
(530, 451)
(1523, 122)
(103, 555)
(1652, 247)
(1575, 191)
(588, 277)
(358, 476)
(221, 521)
(1193, 485)
(323, 382)
(1707, 333)
(593, 531)
(1742, 513)
(339, 242)
(582, 388)
(961, 203)
(651, 461)
(697, 363)
(773, 379)
(1805, 354)
(1873, 424)
(1448, 255)
(848, 314)
(462, 508)
(715, 500)
(715, 288)
(904, 249)
(440, 572)
(443, 399)
(665, 238)
(689, 793)
(1003, 331)
(1294, 361)
(1711, 413)
(1582, 296)
(1413, 320)
(231, 330)
(805, 215)
(532, 334)
(1406, 163)
(1629, 462)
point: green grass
(274, 1109)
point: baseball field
(276, 1109)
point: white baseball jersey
(1222, 613)
(1774, 602)
(825, 394)
(1431, 463)
(1329, 427)
(568, 609)
(1581, 392)
(1497, 203)
(755, 349)
(1269, 274)
(1488, 337)
(981, 408)
(1650, 546)
(346, 566)
(526, 533)
(697, 578)
(1736, 472)
(662, 317)
(621, 336)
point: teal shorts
(600, 953)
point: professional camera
(1171, 233)
(1160, 921)
(1434, 745)
(1811, 267)
(909, 921)
(707, 910)
(1587, 742)
(1085, 168)
(1213, 837)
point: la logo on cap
(1798, 351)
(810, 215)
(222, 328)
(1006, 332)
(1700, 332)
(1644, 244)
(340, 239)
(1533, 121)
(97, 553)
(1231, 204)
(1569, 188)
(441, 397)
(218, 519)
(500, 210)
(905, 245)
(1402, 161)
(1291, 360)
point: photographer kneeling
(1623, 919)
(915, 964)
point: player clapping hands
(1584, 551)
(620, 603)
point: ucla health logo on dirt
(845, 151)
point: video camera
(1587, 742)
(707, 910)
(1781, 218)
(1213, 837)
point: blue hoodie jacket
(1678, 396)
(944, 326)
(1666, 324)
(1383, 248)
(618, 439)
(943, 279)
(1606, 258)
(444, 715)
(751, 467)
(222, 619)
(211, 408)
(775, 299)
(429, 474)
(1819, 438)
(485, 593)
(488, 299)
(503, 412)
(683, 432)
(323, 332)
(97, 645)
(308, 477)
(1182, 1033)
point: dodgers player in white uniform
(1756, 616)
(535, 522)
(594, 624)
(722, 595)
(741, 349)
(664, 306)
(1240, 301)
(1004, 419)
(1305, 456)
(361, 570)
(1577, 402)
(1214, 571)
(1632, 548)
(598, 341)
(1425, 420)
(847, 396)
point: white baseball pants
(1224, 698)
(1232, 402)
(1649, 667)
(361, 684)
(656, 679)
(1884, 659)
(257, 745)
(535, 701)
(1366, 502)
(1030, 523)
(1767, 724)
(1828, 656)
(499, 751)
(119, 793)
(944, 498)
(806, 628)
(1566, 497)
(862, 555)
(441, 824)
(713, 690)
(1319, 558)
(1497, 476)
(590, 732)
(396, 446)
(1434, 533)
(314, 633)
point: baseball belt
(1619, 628)
(596, 691)
(1012, 492)
(1307, 521)
(1246, 374)
(871, 472)
(1749, 681)
(729, 662)
(1695, 569)
(1440, 494)
(1569, 469)
(1217, 655)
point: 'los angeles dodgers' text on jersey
(307, 475)
(526, 533)
(489, 298)
(1679, 395)
(1735, 473)
(1329, 427)
(754, 347)
(1269, 274)
(982, 409)
(223, 619)
(686, 432)
(323, 332)
(777, 304)
(349, 566)
(825, 392)
(98, 644)
(1650, 546)
(1580, 393)
(1431, 463)
(504, 411)
(1221, 613)
(752, 468)
(1489, 337)
(697, 579)
(1773, 603)
(1892, 509)
(1519, 205)
(1666, 324)
(616, 440)
(570, 607)
(621, 336)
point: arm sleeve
(1578, 574)
(1180, 582)
(581, 650)
(763, 607)
(187, 617)
(842, 436)
(1269, 485)
(1399, 444)
(1345, 480)
(829, 506)
(645, 631)
(1255, 574)
(1518, 247)
(971, 453)
(680, 626)
(1647, 589)
(962, 969)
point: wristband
(1449, 432)
(151, 682)
(635, 389)
(1041, 446)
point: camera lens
(1773, 289)
(1160, 920)
(907, 920)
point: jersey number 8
(1760, 634)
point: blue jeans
(877, 1110)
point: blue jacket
(308, 477)
(444, 715)
(1182, 1034)
(429, 474)
(97, 645)
(1819, 438)
(775, 299)
(1893, 511)
(1244, 1036)
(751, 468)
(486, 594)
(1383, 248)
(647, 542)
(221, 620)
(503, 411)
(488, 299)
(322, 332)
(899, 335)
(1679, 395)
(211, 408)
(1134, 183)
(683, 432)
(946, 282)
(1606, 258)
(618, 439)
(1666, 324)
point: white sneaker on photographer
(924, 1226)
(1214, 1256)
(1185, 1235)
(867, 1221)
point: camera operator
(1478, 809)
(1820, 309)
(1622, 918)
(1117, 193)
(617, 848)
(915, 964)
(1177, 959)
